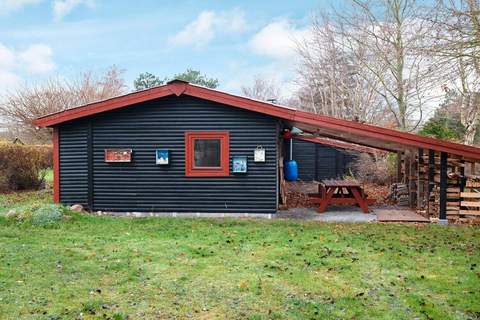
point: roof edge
(180, 87)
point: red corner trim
(223, 170)
(56, 165)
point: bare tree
(456, 42)
(262, 89)
(332, 80)
(384, 37)
(22, 106)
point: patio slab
(334, 214)
(396, 215)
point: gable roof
(339, 129)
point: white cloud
(198, 32)
(277, 39)
(9, 6)
(8, 80)
(37, 58)
(61, 8)
(207, 25)
(7, 57)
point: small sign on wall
(259, 154)
(162, 156)
(239, 164)
(118, 155)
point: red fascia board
(334, 123)
(241, 102)
(341, 145)
(179, 87)
(102, 106)
(384, 134)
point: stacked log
(470, 199)
(463, 188)
(472, 181)
(399, 194)
(453, 195)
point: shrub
(22, 166)
(47, 215)
(378, 170)
(43, 215)
(46, 155)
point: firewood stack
(453, 196)
(399, 194)
(470, 201)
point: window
(207, 154)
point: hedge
(23, 166)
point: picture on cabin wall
(259, 154)
(239, 164)
(118, 155)
(162, 157)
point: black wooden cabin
(142, 185)
(185, 148)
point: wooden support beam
(411, 180)
(431, 176)
(463, 179)
(420, 180)
(406, 168)
(399, 166)
(443, 185)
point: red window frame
(223, 170)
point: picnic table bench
(340, 192)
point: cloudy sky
(230, 40)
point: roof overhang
(350, 131)
(339, 144)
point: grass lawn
(90, 267)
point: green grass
(161, 268)
(49, 176)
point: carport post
(431, 175)
(443, 186)
(399, 166)
(463, 180)
(420, 180)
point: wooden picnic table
(340, 192)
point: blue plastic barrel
(291, 170)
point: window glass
(207, 153)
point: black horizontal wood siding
(161, 124)
(318, 162)
(73, 163)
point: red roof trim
(180, 87)
(384, 134)
(106, 105)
